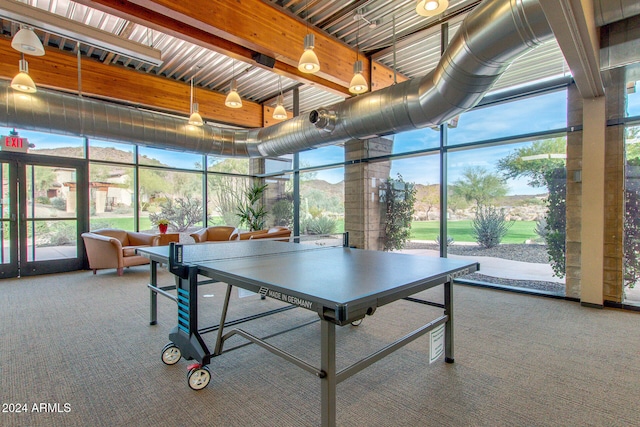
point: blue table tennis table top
(308, 275)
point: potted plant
(251, 212)
(162, 225)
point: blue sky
(633, 102)
(45, 140)
(542, 113)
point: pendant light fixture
(309, 60)
(431, 7)
(233, 99)
(280, 113)
(358, 83)
(195, 119)
(26, 41)
(22, 81)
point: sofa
(114, 248)
(282, 234)
(218, 233)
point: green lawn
(462, 231)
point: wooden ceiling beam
(241, 28)
(59, 70)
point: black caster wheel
(199, 378)
(171, 354)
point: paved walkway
(497, 267)
(517, 270)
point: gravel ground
(515, 252)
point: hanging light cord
(79, 56)
(358, 35)
(395, 80)
(191, 101)
(193, 92)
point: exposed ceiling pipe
(490, 38)
(607, 11)
(69, 114)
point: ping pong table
(341, 284)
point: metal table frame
(187, 337)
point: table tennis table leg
(448, 326)
(328, 367)
(154, 296)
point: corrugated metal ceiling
(373, 25)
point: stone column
(615, 83)
(593, 205)
(574, 193)
(608, 256)
(363, 217)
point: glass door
(44, 213)
(8, 220)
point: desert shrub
(282, 212)
(319, 225)
(315, 211)
(62, 233)
(490, 226)
(556, 218)
(399, 198)
(59, 203)
(541, 228)
(450, 240)
(181, 213)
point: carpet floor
(78, 350)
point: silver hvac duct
(607, 11)
(490, 38)
(67, 114)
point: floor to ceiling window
(164, 192)
(322, 201)
(631, 227)
(111, 185)
(505, 178)
(278, 200)
(322, 191)
(506, 191)
(506, 207)
(226, 183)
(523, 116)
(424, 174)
(631, 245)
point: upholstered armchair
(283, 233)
(219, 233)
(113, 248)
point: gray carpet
(83, 345)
